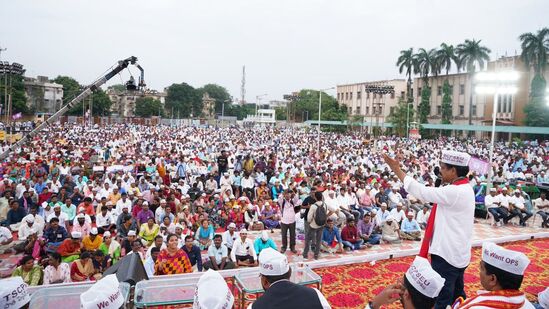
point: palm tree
(470, 54)
(534, 50)
(407, 62)
(426, 63)
(445, 56)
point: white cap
(125, 206)
(145, 203)
(272, 263)
(455, 158)
(212, 292)
(374, 211)
(162, 201)
(396, 187)
(76, 234)
(80, 216)
(45, 204)
(384, 204)
(264, 235)
(507, 260)
(13, 293)
(30, 219)
(94, 231)
(543, 298)
(423, 278)
(493, 190)
(107, 234)
(105, 293)
(233, 225)
(178, 226)
(132, 233)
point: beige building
(43, 95)
(123, 102)
(374, 108)
(460, 89)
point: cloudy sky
(286, 45)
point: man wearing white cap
(229, 236)
(492, 204)
(450, 228)
(421, 286)
(212, 292)
(275, 275)
(501, 273)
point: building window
(418, 91)
(439, 109)
(402, 94)
(439, 90)
(367, 95)
(392, 110)
(451, 89)
(350, 95)
(462, 89)
(350, 110)
(346, 96)
(357, 110)
(473, 111)
(374, 95)
(461, 110)
(358, 95)
(392, 95)
(367, 110)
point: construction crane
(130, 85)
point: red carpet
(352, 286)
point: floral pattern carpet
(352, 286)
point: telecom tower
(243, 87)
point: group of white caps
(213, 292)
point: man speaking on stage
(449, 230)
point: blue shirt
(328, 236)
(194, 256)
(409, 226)
(260, 245)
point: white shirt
(452, 238)
(5, 234)
(503, 200)
(149, 267)
(228, 239)
(104, 220)
(490, 201)
(24, 231)
(243, 248)
(120, 204)
(398, 215)
(62, 218)
(517, 201)
(539, 202)
(423, 217)
(247, 182)
(39, 223)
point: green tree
(424, 108)
(147, 107)
(446, 106)
(427, 64)
(471, 54)
(401, 116)
(446, 56)
(537, 112)
(17, 91)
(101, 103)
(407, 63)
(71, 88)
(307, 103)
(218, 93)
(281, 113)
(534, 50)
(185, 99)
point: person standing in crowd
(287, 222)
(280, 292)
(450, 228)
(316, 219)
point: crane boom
(122, 64)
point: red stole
(424, 251)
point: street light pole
(494, 114)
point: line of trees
(472, 56)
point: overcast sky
(286, 45)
